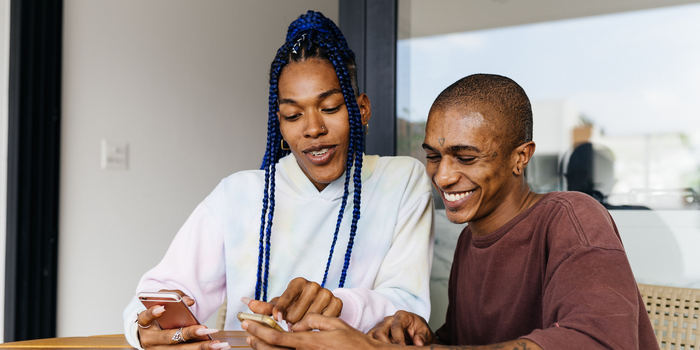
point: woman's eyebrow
(329, 93)
(320, 96)
(286, 101)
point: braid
(312, 35)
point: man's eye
(433, 158)
(466, 160)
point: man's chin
(457, 216)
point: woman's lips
(320, 155)
(455, 199)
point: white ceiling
(432, 17)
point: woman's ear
(523, 153)
(365, 108)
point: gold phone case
(266, 320)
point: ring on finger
(140, 326)
(178, 336)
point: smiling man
(531, 271)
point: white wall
(184, 83)
(4, 70)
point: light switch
(114, 155)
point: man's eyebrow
(454, 148)
(457, 148)
(320, 96)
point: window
(614, 98)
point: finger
(290, 295)
(146, 318)
(267, 334)
(334, 308)
(418, 340)
(259, 344)
(315, 321)
(260, 307)
(382, 330)
(188, 300)
(397, 334)
(321, 301)
(301, 306)
(188, 333)
(213, 345)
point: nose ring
(323, 128)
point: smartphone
(177, 314)
(266, 320)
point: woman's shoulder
(399, 164)
(242, 181)
(404, 173)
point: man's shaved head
(500, 100)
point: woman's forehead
(311, 76)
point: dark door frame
(370, 27)
(34, 115)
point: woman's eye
(291, 117)
(331, 110)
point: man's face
(465, 163)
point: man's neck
(517, 202)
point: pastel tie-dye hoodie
(215, 253)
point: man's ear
(365, 108)
(523, 153)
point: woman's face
(314, 119)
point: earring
(366, 128)
(283, 144)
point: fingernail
(279, 316)
(244, 325)
(158, 311)
(246, 301)
(247, 340)
(205, 331)
(220, 346)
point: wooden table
(117, 341)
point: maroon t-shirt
(556, 274)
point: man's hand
(300, 298)
(404, 328)
(334, 334)
(152, 337)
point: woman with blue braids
(320, 228)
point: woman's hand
(404, 328)
(152, 337)
(334, 334)
(300, 298)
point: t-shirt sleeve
(590, 297)
(591, 302)
(194, 264)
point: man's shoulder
(581, 218)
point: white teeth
(319, 152)
(456, 197)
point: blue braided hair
(312, 35)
